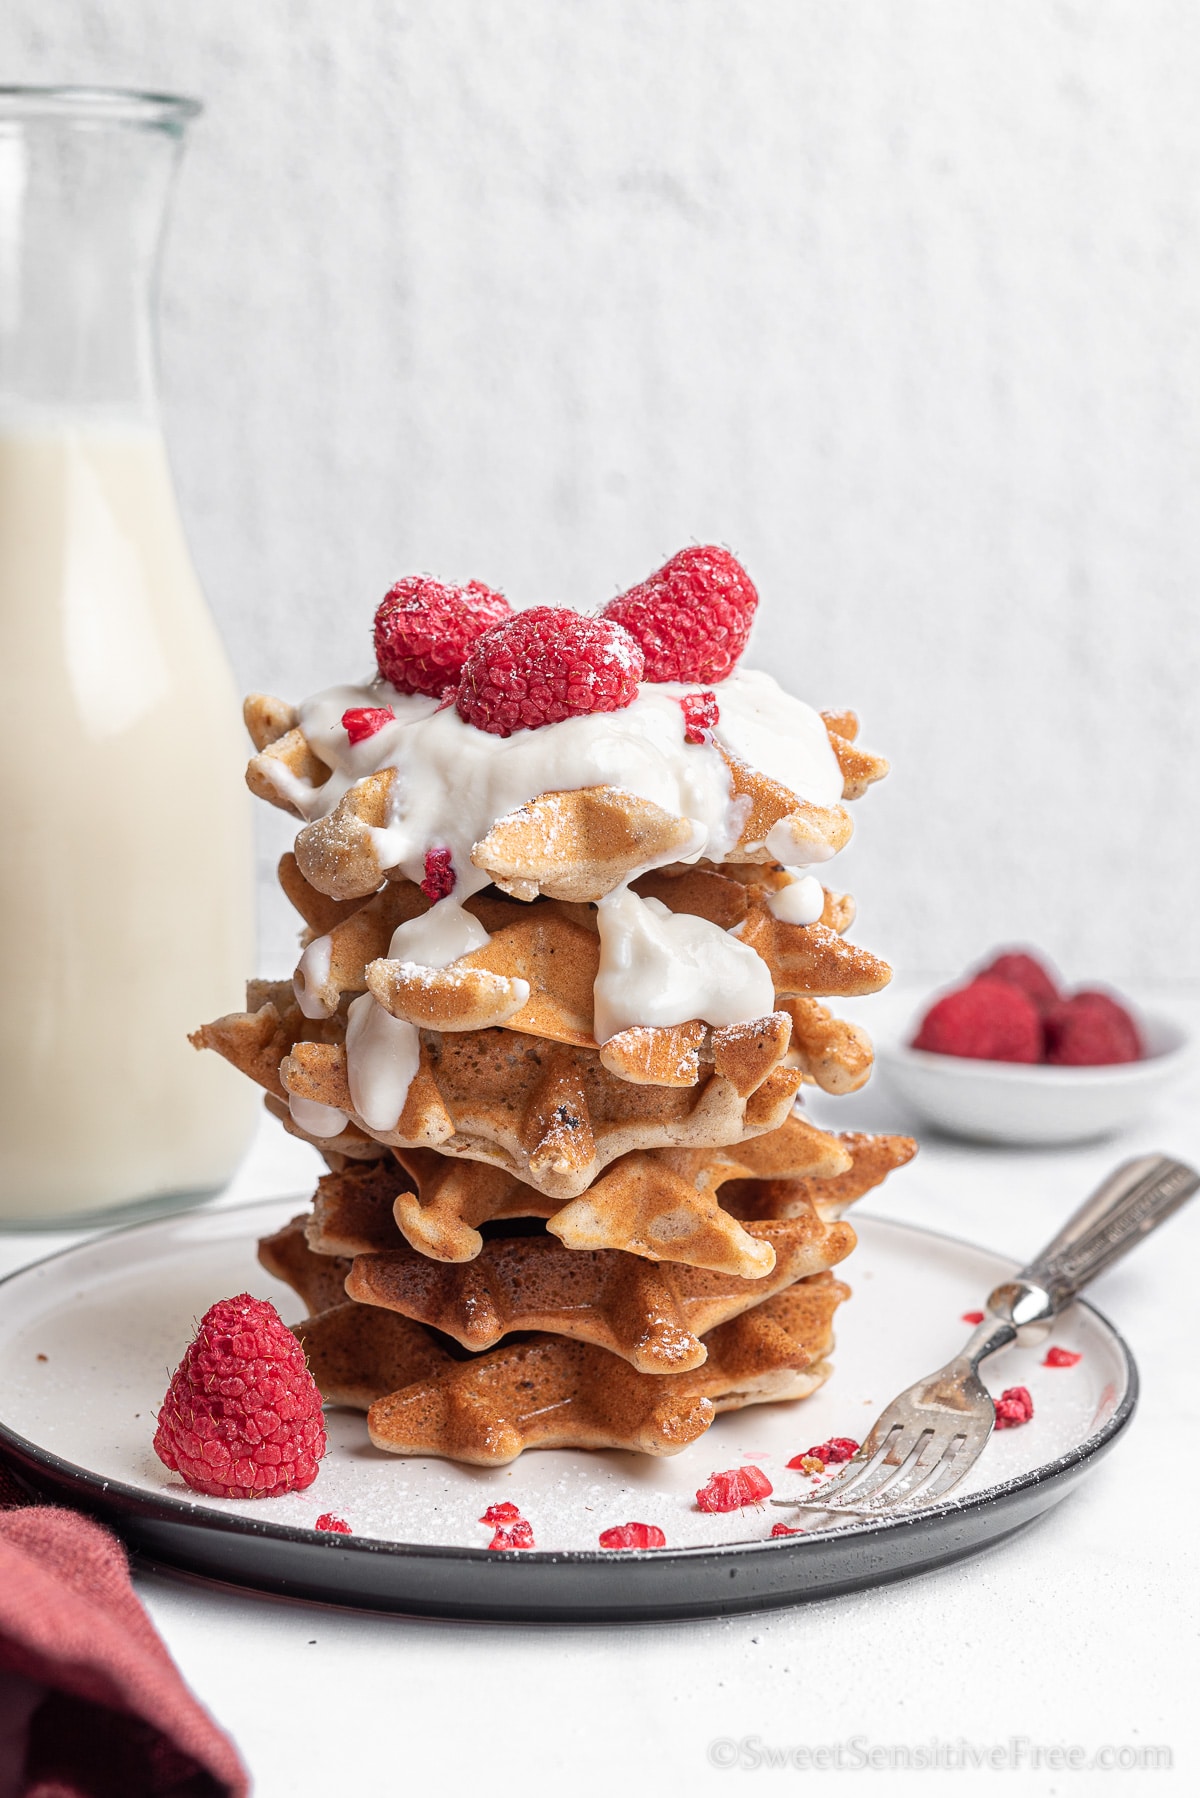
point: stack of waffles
(538, 1230)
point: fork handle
(1135, 1199)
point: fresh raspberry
(501, 1513)
(362, 721)
(692, 618)
(972, 1317)
(701, 713)
(513, 1535)
(1060, 1357)
(838, 1448)
(424, 629)
(1013, 1407)
(736, 1487)
(1019, 968)
(242, 1416)
(337, 1525)
(1091, 1030)
(783, 1529)
(440, 878)
(986, 1021)
(633, 1535)
(544, 665)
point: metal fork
(930, 1437)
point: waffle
(550, 1113)
(546, 1391)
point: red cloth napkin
(91, 1703)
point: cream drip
(800, 902)
(316, 1119)
(437, 937)
(382, 1056)
(663, 967)
(312, 972)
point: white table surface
(1082, 1632)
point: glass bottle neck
(85, 181)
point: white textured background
(898, 298)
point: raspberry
(701, 713)
(502, 1513)
(242, 1416)
(362, 721)
(633, 1535)
(986, 1021)
(838, 1448)
(337, 1525)
(692, 618)
(1091, 1030)
(513, 1535)
(783, 1529)
(1013, 1407)
(424, 629)
(1060, 1357)
(545, 665)
(736, 1487)
(1019, 968)
(972, 1317)
(440, 878)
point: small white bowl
(1016, 1102)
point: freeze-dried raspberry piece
(544, 665)
(501, 1513)
(838, 1448)
(701, 713)
(1021, 969)
(972, 1317)
(338, 1525)
(518, 1534)
(1091, 1030)
(1061, 1357)
(784, 1529)
(633, 1535)
(986, 1021)
(692, 617)
(736, 1487)
(424, 629)
(440, 879)
(363, 721)
(242, 1416)
(1013, 1407)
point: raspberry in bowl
(1008, 1055)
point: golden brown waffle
(547, 1391)
(873, 1158)
(551, 1113)
(320, 1280)
(661, 1205)
(652, 1315)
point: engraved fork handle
(1135, 1199)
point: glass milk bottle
(125, 857)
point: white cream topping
(800, 902)
(454, 781)
(382, 1056)
(438, 937)
(312, 971)
(663, 967)
(316, 1119)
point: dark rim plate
(561, 1587)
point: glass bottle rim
(89, 106)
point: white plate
(88, 1340)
